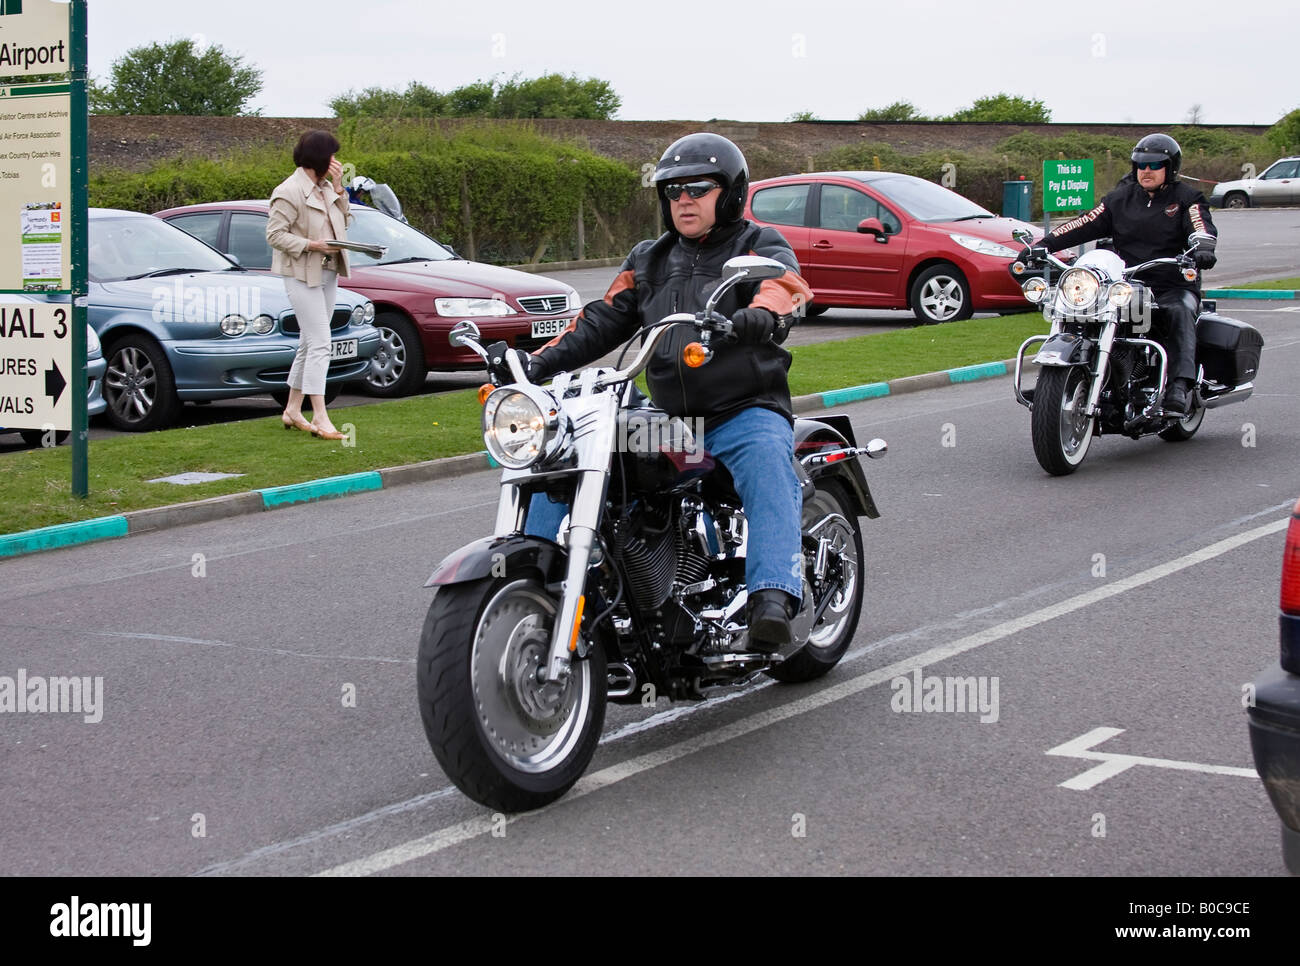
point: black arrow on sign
(54, 382)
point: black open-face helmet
(1159, 147)
(707, 155)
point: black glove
(1204, 260)
(499, 368)
(1032, 255)
(753, 326)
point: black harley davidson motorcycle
(641, 594)
(1101, 375)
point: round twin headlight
(1035, 289)
(1120, 294)
(1079, 287)
(262, 324)
(234, 325)
(520, 426)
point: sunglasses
(1150, 165)
(696, 189)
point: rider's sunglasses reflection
(1150, 165)
(696, 189)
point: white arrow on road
(1112, 764)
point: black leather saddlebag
(1229, 350)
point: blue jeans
(757, 447)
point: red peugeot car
(420, 289)
(877, 239)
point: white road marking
(473, 828)
(1113, 764)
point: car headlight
(262, 324)
(233, 325)
(370, 312)
(358, 314)
(1078, 288)
(1035, 289)
(92, 341)
(982, 245)
(472, 307)
(521, 425)
(1120, 294)
(575, 300)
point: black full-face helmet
(1159, 147)
(707, 155)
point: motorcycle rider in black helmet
(742, 395)
(1149, 215)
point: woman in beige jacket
(309, 209)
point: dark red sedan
(420, 289)
(877, 239)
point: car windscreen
(404, 243)
(926, 201)
(130, 247)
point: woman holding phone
(309, 210)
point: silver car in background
(1278, 185)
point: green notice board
(1068, 185)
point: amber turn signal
(484, 391)
(695, 355)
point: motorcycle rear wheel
(1185, 428)
(832, 636)
(1060, 430)
(503, 739)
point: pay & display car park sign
(1068, 185)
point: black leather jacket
(1143, 227)
(675, 274)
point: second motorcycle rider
(743, 394)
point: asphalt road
(229, 651)
(1254, 244)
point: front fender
(1066, 349)
(834, 429)
(499, 557)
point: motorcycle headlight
(1035, 290)
(92, 341)
(262, 324)
(520, 424)
(234, 325)
(1078, 288)
(983, 245)
(1120, 294)
(472, 307)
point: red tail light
(1291, 565)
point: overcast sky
(761, 60)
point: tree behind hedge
(552, 95)
(177, 78)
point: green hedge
(523, 189)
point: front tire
(138, 385)
(397, 368)
(1236, 200)
(831, 637)
(503, 739)
(1061, 431)
(940, 294)
(1186, 427)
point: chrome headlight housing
(234, 325)
(1078, 288)
(522, 425)
(262, 324)
(1120, 294)
(472, 307)
(1035, 289)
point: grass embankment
(1293, 283)
(37, 483)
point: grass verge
(37, 483)
(1275, 283)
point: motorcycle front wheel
(833, 634)
(1060, 429)
(504, 738)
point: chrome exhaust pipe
(1230, 396)
(620, 680)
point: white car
(1278, 185)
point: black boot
(1177, 397)
(769, 620)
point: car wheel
(940, 294)
(331, 393)
(138, 385)
(397, 368)
(1236, 199)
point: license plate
(343, 349)
(544, 328)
